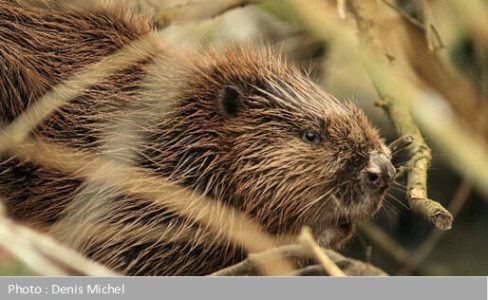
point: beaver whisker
(389, 210)
(396, 200)
(399, 189)
(337, 202)
(396, 184)
(338, 213)
(304, 210)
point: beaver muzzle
(379, 173)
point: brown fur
(169, 114)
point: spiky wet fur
(163, 114)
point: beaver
(239, 125)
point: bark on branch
(419, 152)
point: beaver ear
(230, 100)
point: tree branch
(422, 252)
(419, 152)
(249, 266)
(307, 240)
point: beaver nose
(379, 172)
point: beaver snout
(379, 173)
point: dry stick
(420, 155)
(197, 11)
(400, 144)
(429, 29)
(417, 166)
(307, 240)
(341, 8)
(249, 265)
(254, 260)
(313, 270)
(404, 14)
(418, 256)
(383, 241)
(44, 255)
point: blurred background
(441, 48)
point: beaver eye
(311, 137)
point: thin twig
(307, 240)
(400, 144)
(197, 11)
(404, 14)
(341, 8)
(254, 260)
(391, 248)
(423, 251)
(429, 29)
(313, 270)
(383, 241)
(249, 266)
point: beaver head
(256, 133)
